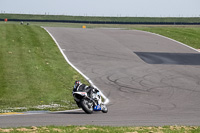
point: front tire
(104, 109)
(87, 106)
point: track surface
(143, 89)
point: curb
(11, 113)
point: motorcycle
(89, 99)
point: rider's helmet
(77, 84)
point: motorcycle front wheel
(104, 109)
(87, 106)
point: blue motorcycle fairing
(97, 108)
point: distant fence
(104, 22)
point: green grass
(32, 70)
(102, 19)
(105, 129)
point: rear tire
(87, 106)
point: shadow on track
(67, 112)
(170, 58)
(75, 112)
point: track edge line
(170, 39)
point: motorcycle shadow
(72, 112)
(68, 112)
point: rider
(78, 86)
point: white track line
(104, 97)
(170, 39)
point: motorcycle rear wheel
(87, 106)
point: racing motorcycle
(88, 98)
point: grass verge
(33, 73)
(105, 129)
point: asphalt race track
(150, 80)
